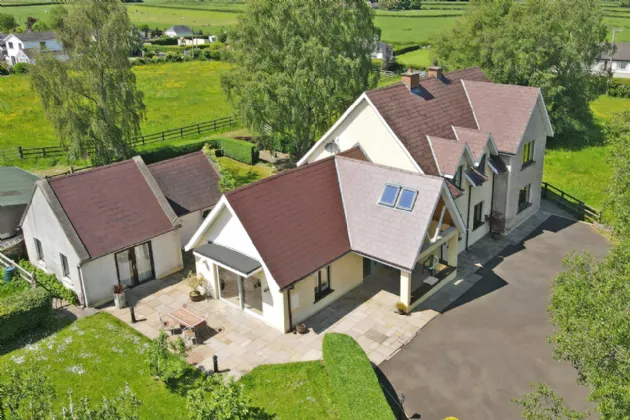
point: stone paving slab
(242, 342)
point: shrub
(171, 151)
(50, 283)
(355, 387)
(165, 41)
(20, 68)
(149, 54)
(619, 89)
(3, 69)
(23, 312)
(240, 150)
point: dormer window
(482, 165)
(457, 179)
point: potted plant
(401, 308)
(119, 296)
(301, 328)
(195, 281)
(496, 221)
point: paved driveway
(492, 342)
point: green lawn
(176, 94)
(96, 357)
(243, 173)
(584, 172)
(417, 59)
(407, 30)
(292, 390)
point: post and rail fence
(216, 125)
(576, 206)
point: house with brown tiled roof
(286, 247)
(123, 223)
(487, 140)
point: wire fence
(217, 125)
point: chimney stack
(434, 70)
(411, 79)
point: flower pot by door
(119, 300)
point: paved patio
(367, 313)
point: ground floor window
(523, 198)
(478, 216)
(322, 288)
(135, 265)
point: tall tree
(91, 99)
(618, 200)
(544, 404)
(590, 306)
(7, 22)
(299, 65)
(545, 43)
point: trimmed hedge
(240, 150)
(619, 89)
(50, 283)
(23, 312)
(355, 387)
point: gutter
(468, 216)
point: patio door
(135, 265)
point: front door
(135, 265)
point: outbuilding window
(65, 268)
(322, 289)
(39, 250)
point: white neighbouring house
(178, 31)
(24, 47)
(123, 223)
(486, 139)
(618, 63)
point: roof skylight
(407, 199)
(389, 196)
(398, 197)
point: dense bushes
(20, 68)
(23, 312)
(50, 283)
(240, 150)
(166, 40)
(3, 69)
(619, 88)
(355, 387)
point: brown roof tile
(503, 110)
(111, 207)
(440, 104)
(475, 139)
(189, 182)
(354, 153)
(295, 219)
(448, 154)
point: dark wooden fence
(220, 124)
(576, 206)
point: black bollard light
(133, 314)
(215, 363)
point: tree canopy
(299, 65)
(7, 22)
(91, 98)
(544, 43)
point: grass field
(96, 357)
(407, 30)
(584, 172)
(176, 94)
(415, 59)
(300, 390)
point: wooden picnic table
(187, 319)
